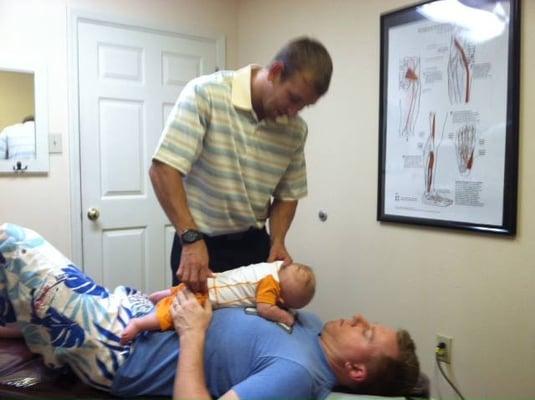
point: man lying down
(69, 319)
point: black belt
(236, 235)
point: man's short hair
(389, 376)
(309, 56)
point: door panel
(129, 79)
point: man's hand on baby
(278, 252)
(194, 269)
(189, 317)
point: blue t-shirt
(247, 353)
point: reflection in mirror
(17, 110)
(23, 118)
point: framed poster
(448, 124)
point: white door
(129, 79)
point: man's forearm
(190, 382)
(281, 216)
(169, 189)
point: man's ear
(275, 71)
(356, 372)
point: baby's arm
(275, 313)
(157, 296)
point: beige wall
(38, 29)
(16, 97)
(479, 289)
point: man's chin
(274, 114)
(279, 118)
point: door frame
(75, 17)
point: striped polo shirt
(18, 141)
(232, 162)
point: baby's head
(298, 285)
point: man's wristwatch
(190, 236)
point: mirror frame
(39, 164)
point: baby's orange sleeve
(163, 308)
(268, 290)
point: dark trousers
(228, 251)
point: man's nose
(359, 319)
(293, 110)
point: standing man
(232, 143)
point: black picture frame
(448, 115)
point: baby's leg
(147, 322)
(157, 296)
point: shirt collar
(241, 91)
(241, 88)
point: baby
(271, 287)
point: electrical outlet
(445, 353)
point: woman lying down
(70, 320)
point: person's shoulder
(297, 126)
(216, 80)
(12, 128)
(209, 87)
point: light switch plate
(54, 143)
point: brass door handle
(93, 214)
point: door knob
(93, 214)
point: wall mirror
(23, 119)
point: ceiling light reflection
(478, 25)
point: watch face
(191, 236)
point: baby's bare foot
(129, 333)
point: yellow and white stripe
(232, 162)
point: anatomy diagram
(445, 115)
(461, 60)
(465, 143)
(430, 156)
(410, 91)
